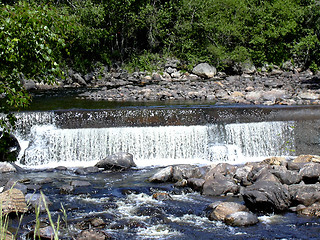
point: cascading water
(49, 142)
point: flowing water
(161, 136)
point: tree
(30, 47)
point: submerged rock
(161, 196)
(39, 201)
(117, 161)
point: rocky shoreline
(268, 86)
(275, 185)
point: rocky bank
(269, 85)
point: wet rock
(196, 183)
(13, 183)
(79, 183)
(38, 201)
(93, 234)
(118, 161)
(218, 185)
(311, 211)
(66, 189)
(45, 233)
(185, 171)
(181, 183)
(222, 168)
(163, 175)
(161, 196)
(310, 172)
(267, 196)
(241, 175)
(286, 176)
(87, 170)
(264, 174)
(204, 70)
(61, 168)
(149, 211)
(304, 194)
(13, 200)
(222, 210)
(242, 218)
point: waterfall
(48, 143)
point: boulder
(117, 161)
(241, 174)
(218, 185)
(267, 196)
(163, 175)
(185, 171)
(304, 194)
(222, 210)
(306, 159)
(242, 218)
(310, 172)
(196, 183)
(286, 176)
(205, 70)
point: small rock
(161, 196)
(222, 210)
(93, 234)
(242, 218)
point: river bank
(266, 87)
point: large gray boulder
(205, 70)
(310, 172)
(117, 161)
(267, 196)
(218, 185)
(163, 175)
(305, 194)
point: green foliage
(146, 62)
